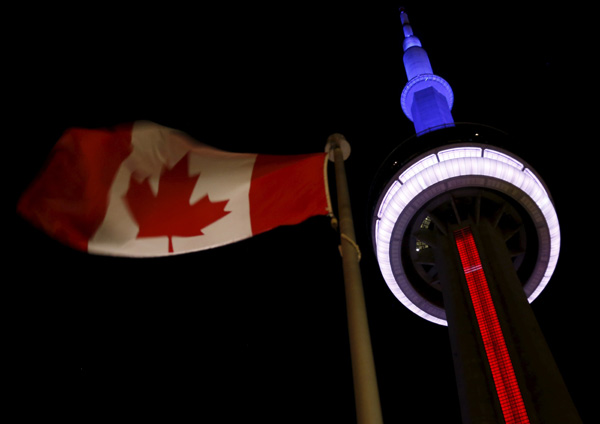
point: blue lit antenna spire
(427, 98)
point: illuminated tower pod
(427, 98)
(466, 235)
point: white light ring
(485, 167)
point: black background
(257, 330)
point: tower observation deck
(466, 235)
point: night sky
(257, 330)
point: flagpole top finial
(337, 140)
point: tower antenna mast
(427, 98)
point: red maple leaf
(170, 213)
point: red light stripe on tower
(503, 373)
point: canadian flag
(143, 189)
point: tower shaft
(504, 368)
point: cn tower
(466, 235)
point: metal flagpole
(366, 392)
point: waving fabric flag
(146, 190)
